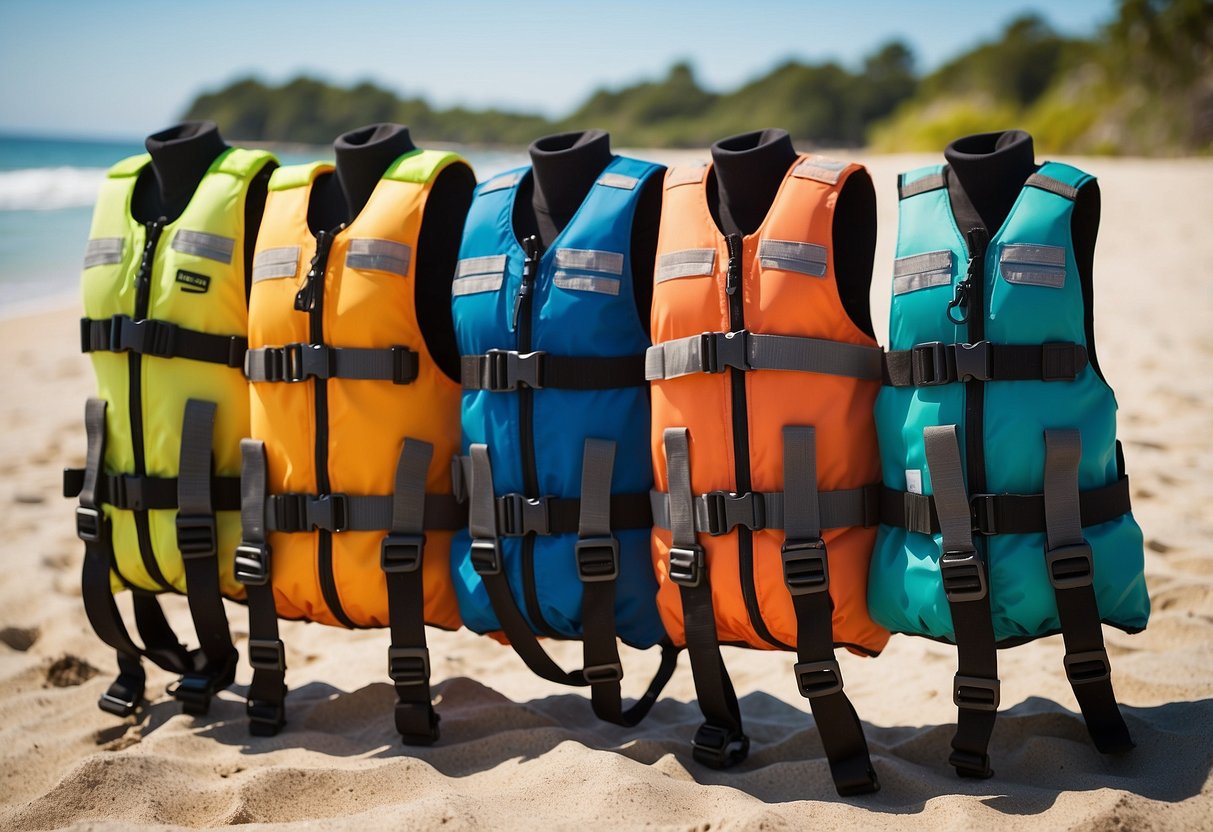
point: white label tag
(914, 481)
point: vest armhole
(438, 240)
(254, 209)
(1084, 230)
(854, 244)
(646, 223)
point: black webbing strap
(400, 556)
(266, 652)
(962, 569)
(161, 339)
(299, 512)
(299, 362)
(807, 575)
(518, 515)
(504, 370)
(720, 741)
(597, 555)
(92, 527)
(1071, 568)
(935, 363)
(1004, 513)
(145, 493)
(197, 540)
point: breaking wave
(49, 189)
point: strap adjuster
(400, 552)
(816, 679)
(595, 674)
(408, 665)
(964, 576)
(405, 365)
(505, 370)
(727, 509)
(929, 364)
(122, 697)
(196, 536)
(252, 564)
(971, 764)
(519, 515)
(90, 523)
(267, 654)
(1087, 667)
(196, 690)
(719, 350)
(266, 718)
(597, 559)
(1070, 567)
(686, 565)
(485, 555)
(716, 746)
(976, 693)
(806, 567)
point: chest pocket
(479, 274)
(587, 270)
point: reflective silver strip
(104, 251)
(1034, 265)
(618, 180)
(276, 262)
(687, 263)
(610, 262)
(481, 265)
(1054, 186)
(930, 182)
(685, 176)
(379, 255)
(820, 169)
(499, 183)
(201, 244)
(479, 283)
(586, 283)
(805, 258)
(922, 271)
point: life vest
(555, 421)
(764, 451)
(348, 512)
(1006, 515)
(165, 322)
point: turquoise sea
(47, 189)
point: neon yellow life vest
(166, 317)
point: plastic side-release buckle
(1070, 567)
(727, 509)
(973, 361)
(597, 559)
(687, 565)
(519, 515)
(717, 746)
(964, 576)
(329, 512)
(507, 369)
(399, 552)
(720, 350)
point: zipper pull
(732, 279)
(144, 275)
(977, 240)
(530, 268)
(305, 298)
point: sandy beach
(521, 753)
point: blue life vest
(552, 353)
(998, 448)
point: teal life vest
(1006, 508)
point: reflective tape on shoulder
(500, 183)
(820, 169)
(201, 244)
(687, 263)
(278, 262)
(685, 175)
(104, 251)
(379, 255)
(618, 180)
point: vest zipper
(741, 440)
(143, 292)
(975, 394)
(310, 299)
(521, 324)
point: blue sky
(123, 69)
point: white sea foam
(49, 189)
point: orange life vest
(344, 466)
(757, 370)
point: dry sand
(518, 752)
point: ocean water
(47, 190)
